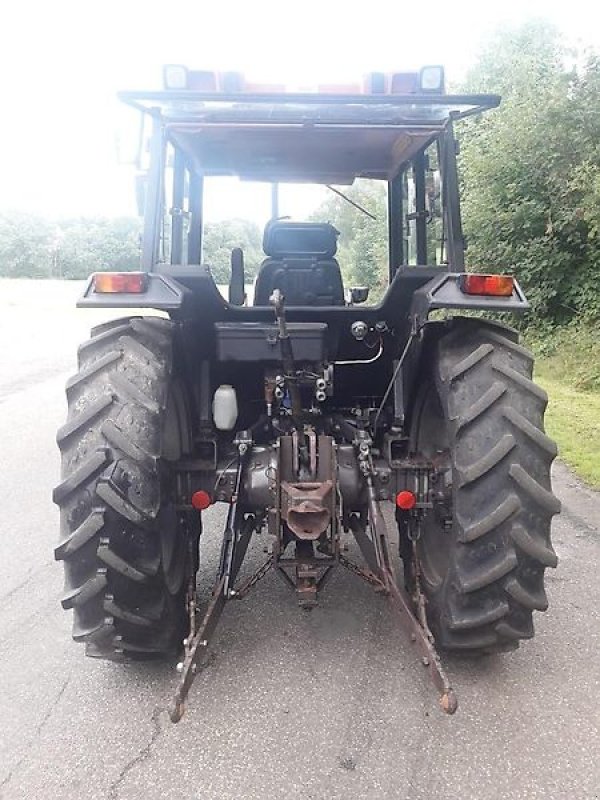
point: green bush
(531, 173)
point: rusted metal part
(306, 494)
(310, 572)
(198, 639)
(236, 537)
(314, 502)
(423, 640)
(191, 593)
(415, 625)
(306, 507)
(316, 562)
(196, 647)
(307, 574)
(306, 585)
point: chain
(364, 574)
(245, 588)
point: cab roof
(316, 138)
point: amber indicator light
(493, 285)
(119, 282)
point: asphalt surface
(331, 704)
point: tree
(25, 246)
(219, 240)
(531, 171)
(99, 244)
(33, 247)
(362, 246)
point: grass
(573, 421)
(569, 354)
(568, 367)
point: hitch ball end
(449, 702)
(177, 712)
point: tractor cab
(395, 130)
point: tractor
(313, 415)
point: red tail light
(201, 500)
(495, 285)
(406, 500)
(119, 282)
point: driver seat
(300, 264)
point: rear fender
(443, 291)
(161, 292)
(424, 350)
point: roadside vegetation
(34, 247)
(568, 367)
(531, 189)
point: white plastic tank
(225, 407)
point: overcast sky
(62, 61)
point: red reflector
(496, 285)
(406, 500)
(116, 282)
(201, 500)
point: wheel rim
(432, 442)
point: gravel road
(331, 704)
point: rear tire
(485, 546)
(126, 549)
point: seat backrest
(300, 264)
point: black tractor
(309, 413)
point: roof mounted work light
(431, 79)
(175, 76)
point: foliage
(531, 172)
(33, 247)
(25, 246)
(219, 240)
(362, 247)
(97, 244)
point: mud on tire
(123, 545)
(483, 571)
